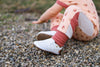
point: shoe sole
(49, 52)
(43, 36)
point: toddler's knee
(72, 8)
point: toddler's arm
(48, 14)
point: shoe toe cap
(36, 43)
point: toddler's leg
(69, 24)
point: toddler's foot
(48, 45)
(45, 35)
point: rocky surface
(17, 48)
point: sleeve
(61, 3)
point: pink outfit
(88, 21)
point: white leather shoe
(48, 45)
(45, 35)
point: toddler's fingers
(35, 22)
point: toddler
(79, 21)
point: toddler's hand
(37, 22)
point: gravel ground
(17, 49)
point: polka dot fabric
(55, 21)
(87, 7)
(74, 6)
